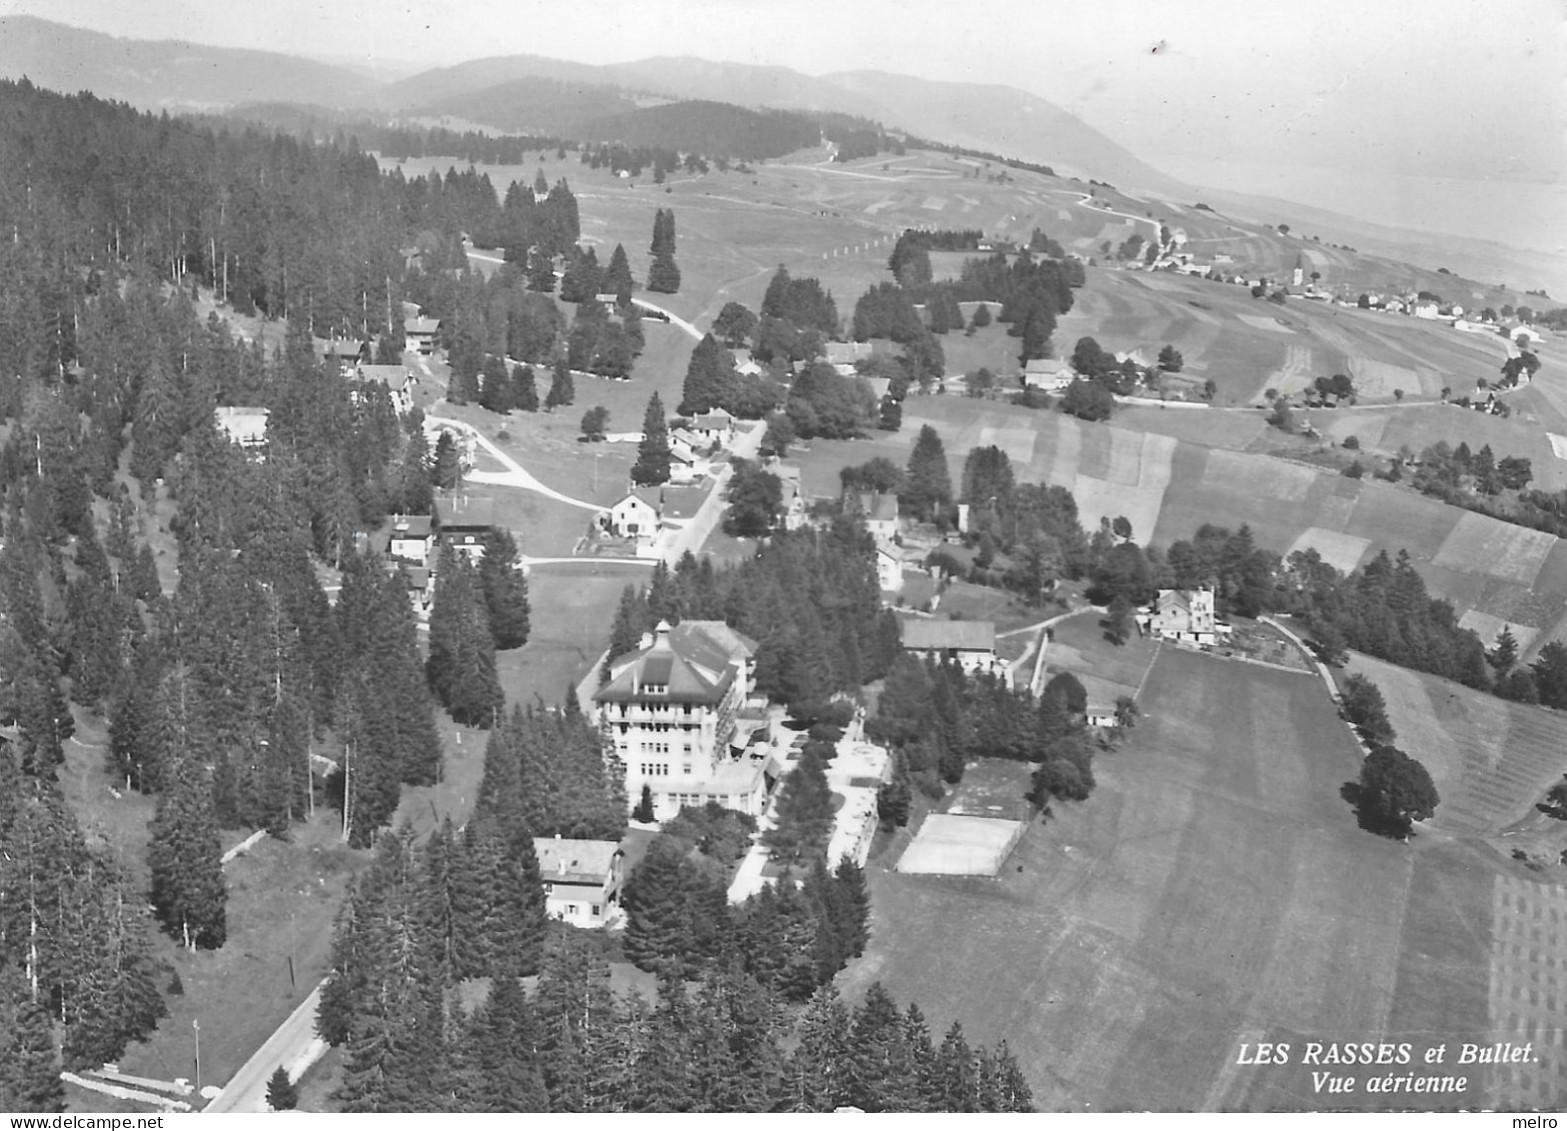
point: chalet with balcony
(419, 334)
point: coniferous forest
(159, 577)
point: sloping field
(1265, 322)
(1272, 479)
(1341, 551)
(1482, 544)
(1491, 760)
(1382, 380)
(1214, 892)
(1489, 628)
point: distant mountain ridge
(507, 93)
(166, 74)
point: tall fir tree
(562, 390)
(505, 588)
(185, 859)
(29, 1064)
(461, 665)
(653, 454)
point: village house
(1047, 373)
(745, 364)
(636, 515)
(889, 571)
(842, 355)
(794, 505)
(463, 521)
(671, 711)
(420, 582)
(715, 428)
(398, 381)
(1185, 615)
(685, 466)
(344, 356)
(582, 879)
(410, 538)
(245, 426)
(881, 515)
(971, 644)
(419, 334)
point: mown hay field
(1215, 892)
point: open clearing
(1216, 891)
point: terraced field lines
(1294, 376)
(1528, 993)
(1491, 760)
(1481, 544)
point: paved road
(294, 1046)
(515, 474)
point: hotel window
(686, 768)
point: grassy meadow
(1215, 892)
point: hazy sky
(1473, 89)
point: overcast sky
(1458, 88)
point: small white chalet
(411, 539)
(582, 879)
(636, 515)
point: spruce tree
(461, 665)
(656, 901)
(617, 278)
(282, 1093)
(446, 467)
(562, 391)
(505, 588)
(184, 857)
(653, 456)
(631, 621)
(663, 276)
(524, 388)
(29, 1066)
(803, 814)
(928, 483)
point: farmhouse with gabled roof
(971, 644)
